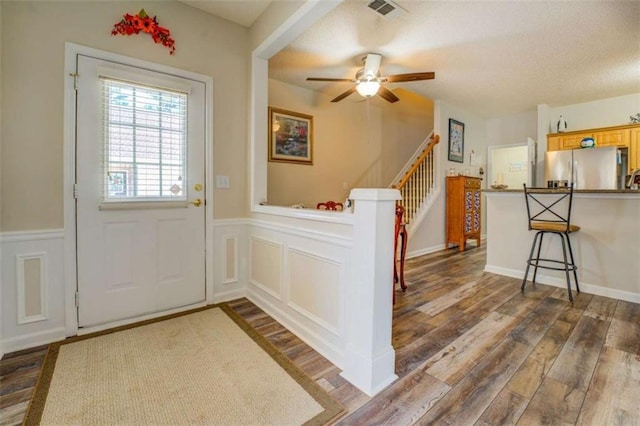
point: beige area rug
(204, 367)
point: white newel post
(369, 357)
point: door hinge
(75, 191)
(75, 80)
(77, 299)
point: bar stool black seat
(549, 211)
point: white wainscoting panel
(266, 266)
(32, 289)
(311, 279)
(230, 256)
(231, 259)
(31, 283)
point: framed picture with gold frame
(290, 136)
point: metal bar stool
(549, 211)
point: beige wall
(512, 129)
(430, 234)
(352, 139)
(405, 126)
(32, 79)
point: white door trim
(70, 266)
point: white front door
(140, 170)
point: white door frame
(70, 265)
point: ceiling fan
(368, 81)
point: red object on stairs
(400, 232)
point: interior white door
(140, 176)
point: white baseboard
(34, 339)
(559, 282)
(422, 252)
(322, 346)
(226, 296)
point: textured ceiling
(243, 12)
(493, 58)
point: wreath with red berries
(133, 24)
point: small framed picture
(117, 183)
(456, 141)
(290, 137)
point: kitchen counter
(606, 248)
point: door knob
(197, 202)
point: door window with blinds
(145, 138)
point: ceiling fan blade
(416, 76)
(343, 95)
(372, 64)
(387, 95)
(330, 79)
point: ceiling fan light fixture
(368, 89)
(369, 82)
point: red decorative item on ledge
(133, 24)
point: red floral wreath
(133, 24)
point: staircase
(416, 181)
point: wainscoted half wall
(32, 289)
(299, 276)
(329, 280)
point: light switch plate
(222, 182)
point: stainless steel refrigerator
(589, 168)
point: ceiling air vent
(386, 8)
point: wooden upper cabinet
(553, 143)
(621, 136)
(572, 141)
(606, 136)
(634, 149)
(616, 137)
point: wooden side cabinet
(463, 210)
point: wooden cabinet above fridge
(626, 136)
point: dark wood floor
(470, 349)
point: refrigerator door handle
(575, 174)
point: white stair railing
(418, 181)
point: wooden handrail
(411, 171)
